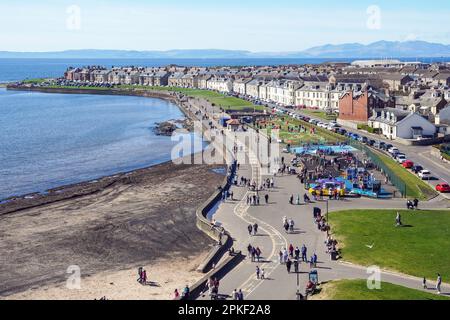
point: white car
(401, 158)
(425, 175)
(393, 150)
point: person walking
(235, 295)
(241, 295)
(258, 273)
(297, 253)
(267, 198)
(250, 229)
(289, 265)
(296, 265)
(255, 229)
(263, 274)
(438, 284)
(291, 200)
(416, 204)
(304, 254)
(258, 253)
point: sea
(51, 140)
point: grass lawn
(415, 187)
(357, 290)
(319, 114)
(421, 248)
(297, 138)
(220, 100)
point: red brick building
(358, 106)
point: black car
(371, 143)
(382, 145)
(416, 169)
(387, 146)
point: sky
(253, 25)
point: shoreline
(145, 218)
(101, 181)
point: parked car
(408, 164)
(443, 188)
(387, 147)
(417, 168)
(401, 159)
(371, 143)
(425, 175)
(393, 150)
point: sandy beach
(108, 228)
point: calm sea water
(50, 140)
(20, 69)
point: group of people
(142, 276)
(288, 225)
(253, 229)
(292, 257)
(254, 253)
(412, 204)
(320, 220)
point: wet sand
(108, 228)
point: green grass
(35, 81)
(78, 88)
(421, 249)
(350, 290)
(415, 187)
(218, 99)
(319, 114)
(298, 138)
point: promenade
(235, 216)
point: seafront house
(356, 106)
(240, 86)
(395, 123)
(252, 88)
(223, 85)
(203, 81)
(282, 91)
(176, 79)
(323, 96)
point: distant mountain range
(380, 49)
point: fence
(375, 158)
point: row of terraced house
(355, 91)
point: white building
(220, 84)
(395, 123)
(282, 91)
(240, 86)
(319, 96)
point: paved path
(280, 285)
(236, 215)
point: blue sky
(282, 25)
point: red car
(408, 164)
(443, 188)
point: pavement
(235, 215)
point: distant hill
(380, 49)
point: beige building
(240, 86)
(220, 84)
(320, 96)
(282, 91)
